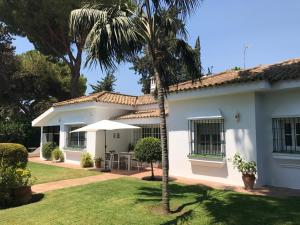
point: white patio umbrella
(105, 125)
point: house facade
(58, 122)
(254, 112)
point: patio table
(129, 156)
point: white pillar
(41, 143)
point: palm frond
(186, 7)
(111, 33)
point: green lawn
(130, 201)
(46, 173)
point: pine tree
(105, 84)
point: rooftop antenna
(245, 50)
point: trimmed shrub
(148, 150)
(86, 160)
(13, 155)
(47, 150)
(58, 155)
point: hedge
(13, 155)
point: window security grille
(286, 135)
(207, 137)
(146, 131)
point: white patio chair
(123, 162)
(107, 160)
(136, 164)
(115, 159)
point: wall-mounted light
(237, 117)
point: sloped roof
(286, 70)
(150, 113)
(146, 100)
(110, 97)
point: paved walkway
(41, 188)
(115, 174)
(64, 165)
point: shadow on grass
(188, 196)
(234, 208)
(222, 206)
(35, 198)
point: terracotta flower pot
(22, 195)
(248, 180)
(98, 164)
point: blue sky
(271, 29)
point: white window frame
(78, 147)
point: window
(146, 131)
(286, 135)
(207, 137)
(76, 139)
(51, 134)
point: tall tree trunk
(164, 143)
(152, 172)
(75, 66)
(75, 84)
(75, 73)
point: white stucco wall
(252, 136)
(85, 116)
(278, 172)
(239, 136)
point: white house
(255, 112)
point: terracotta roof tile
(286, 70)
(109, 97)
(146, 100)
(151, 113)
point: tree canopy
(7, 59)
(105, 84)
(36, 84)
(45, 24)
(142, 65)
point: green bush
(19, 132)
(47, 150)
(58, 155)
(12, 178)
(148, 150)
(86, 160)
(14, 155)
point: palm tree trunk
(164, 143)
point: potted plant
(57, 155)
(248, 170)
(22, 193)
(98, 161)
(130, 148)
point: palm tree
(118, 31)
